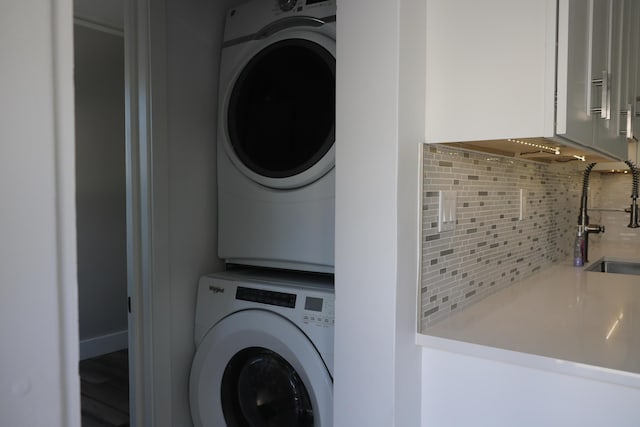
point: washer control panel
(319, 311)
(316, 310)
(264, 296)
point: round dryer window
(281, 113)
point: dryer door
(280, 109)
(256, 368)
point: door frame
(146, 148)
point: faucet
(584, 228)
(633, 210)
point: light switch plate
(523, 204)
(446, 211)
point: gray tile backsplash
(491, 248)
(614, 196)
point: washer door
(280, 111)
(255, 368)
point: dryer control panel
(286, 5)
(248, 19)
(299, 5)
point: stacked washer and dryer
(264, 328)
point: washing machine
(264, 350)
(276, 134)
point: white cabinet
(490, 70)
(635, 82)
(499, 69)
(630, 103)
(627, 27)
(528, 397)
(574, 118)
(605, 74)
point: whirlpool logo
(216, 289)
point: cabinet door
(630, 23)
(574, 120)
(633, 20)
(606, 76)
(589, 45)
(490, 71)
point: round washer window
(281, 114)
(261, 389)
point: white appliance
(264, 350)
(276, 133)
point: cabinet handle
(603, 83)
(627, 129)
(637, 109)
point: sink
(605, 265)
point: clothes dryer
(264, 351)
(276, 134)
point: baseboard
(96, 346)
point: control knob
(287, 5)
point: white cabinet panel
(490, 69)
(459, 389)
(606, 66)
(631, 53)
(574, 120)
(629, 23)
(499, 69)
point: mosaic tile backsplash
(614, 196)
(491, 248)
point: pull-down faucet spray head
(633, 219)
(583, 218)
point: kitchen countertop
(563, 319)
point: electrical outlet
(446, 211)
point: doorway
(101, 223)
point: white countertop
(563, 319)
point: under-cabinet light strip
(555, 150)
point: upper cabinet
(559, 69)
(490, 71)
(634, 76)
(603, 45)
(630, 101)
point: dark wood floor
(104, 386)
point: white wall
(100, 190)
(194, 39)
(379, 124)
(105, 13)
(186, 39)
(39, 382)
